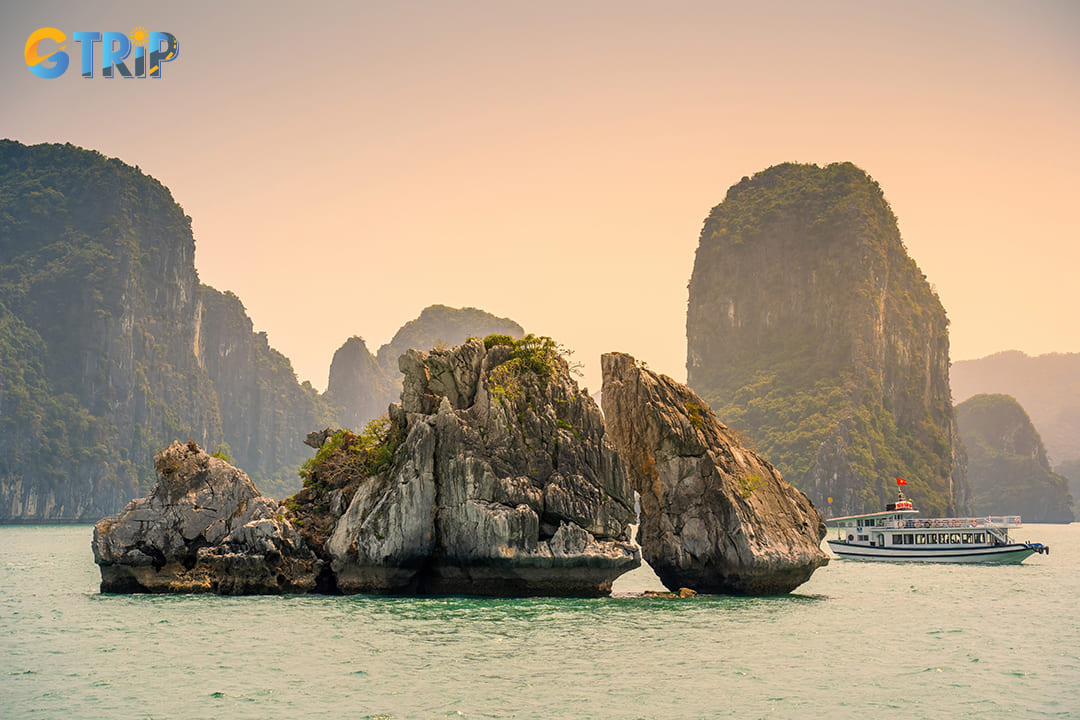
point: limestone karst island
(462, 457)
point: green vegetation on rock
(811, 330)
(537, 355)
(1007, 463)
(346, 453)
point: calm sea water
(858, 640)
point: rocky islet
(494, 475)
(500, 481)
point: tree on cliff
(811, 329)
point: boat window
(909, 539)
(920, 539)
(897, 539)
(864, 538)
(955, 538)
(932, 538)
(967, 539)
(980, 537)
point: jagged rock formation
(204, 528)
(492, 477)
(358, 385)
(1048, 387)
(715, 516)
(810, 329)
(111, 348)
(503, 483)
(1007, 463)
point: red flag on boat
(901, 481)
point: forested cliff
(1047, 386)
(810, 329)
(265, 412)
(110, 347)
(1007, 462)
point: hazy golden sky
(347, 164)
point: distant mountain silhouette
(1007, 465)
(1048, 386)
(362, 385)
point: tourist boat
(896, 534)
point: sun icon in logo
(139, 36)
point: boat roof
(867, 516)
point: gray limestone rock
(204, 528)
(504, 485)
(317, 438)
(492, 477)
(715, 516)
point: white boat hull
(998, 554)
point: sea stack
(716, 517)
(811, 330)
(502, 482)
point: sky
(346, 164)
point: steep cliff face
(1048, 386)
(810, 329)
(715, 516)
(265, 412)
(1008, 467)
(358, 385)
(56, 460)
(97, 263)
(104, 323)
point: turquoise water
(877, 640)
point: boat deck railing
(965, 523)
